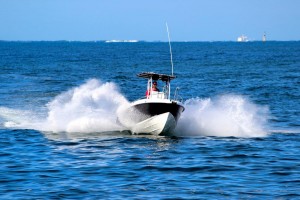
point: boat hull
(163, 124)
(157, 108)
(151, 117)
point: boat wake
(93, 106)
(224, 116)
(90, 107)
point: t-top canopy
(156, 76)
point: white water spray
(227, 115)
(93, 106)
(19, 119)
(90, 107)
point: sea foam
(90, 107)
(225, 115)
(93, 107)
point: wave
(286, 131)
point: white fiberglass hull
(162, 124)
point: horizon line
(139, 41)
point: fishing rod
(170, 47)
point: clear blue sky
(189, 20)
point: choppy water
(237, 139)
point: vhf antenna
(170, 47)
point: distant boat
(264, 38)
(108, 41)
(242, 38)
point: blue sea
(238, 138)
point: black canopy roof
(156, 76)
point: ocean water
(237, 139)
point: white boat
(264, 38)
(156, 113)
(242, 38)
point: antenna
(170, 47)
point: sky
(188, 20)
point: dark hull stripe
(153, 109)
